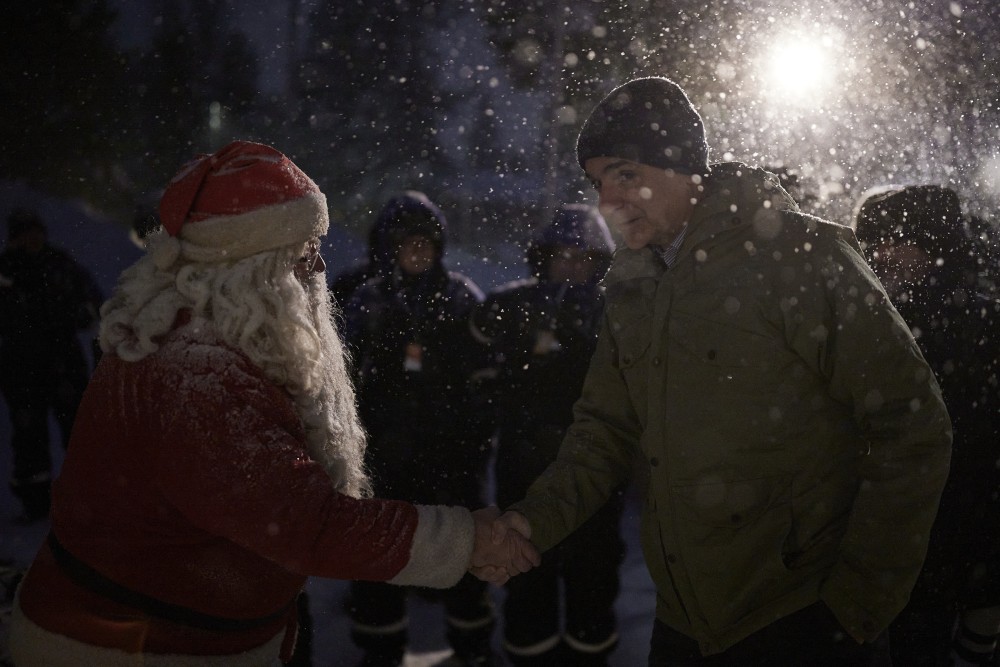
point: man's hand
(502, 548)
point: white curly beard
(328, 409)
(284, 326)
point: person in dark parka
(916, 239)
(46, 300)
(414, 355)
(542, 331)
(379, 262)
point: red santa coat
(187, 481)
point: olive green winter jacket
(792, 440)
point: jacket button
(654, 461)
(671, 558)
(627, 359)
(656, 361)
(711, 354)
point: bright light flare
(799, 70)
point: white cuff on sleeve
(441, 549)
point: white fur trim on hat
(234, 237)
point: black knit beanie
(650, 121)
(930, 216)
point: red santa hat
(244, 199)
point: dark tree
(191, 88)
(372, 96)
(61, 86)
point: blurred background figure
(918, 243)
(46, 300)
(985, 237)
(379, 262)
(408, 329)
(542, 331)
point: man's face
(646, 204)
(570, 264)
(416, 254)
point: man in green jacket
(790, 438)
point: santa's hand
(502, 548)
(513, 532)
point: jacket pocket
(631, 334)
(632, 349)
(722, 344)
(729, 506)
(632, 342)
(733, 536)
(714, 362)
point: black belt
(94, 581)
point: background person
(916, 240)
(46, 300)
(414, 355)
(541, 332)
(378, 264)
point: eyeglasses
(311, 261)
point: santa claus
(217, 457)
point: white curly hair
(257, 305)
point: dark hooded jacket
(956, 328)
(380, 260)
(541, 334)
(414, 356)
(46, 299)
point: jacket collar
(734, 192)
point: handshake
(502, 548)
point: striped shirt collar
(669, 253)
